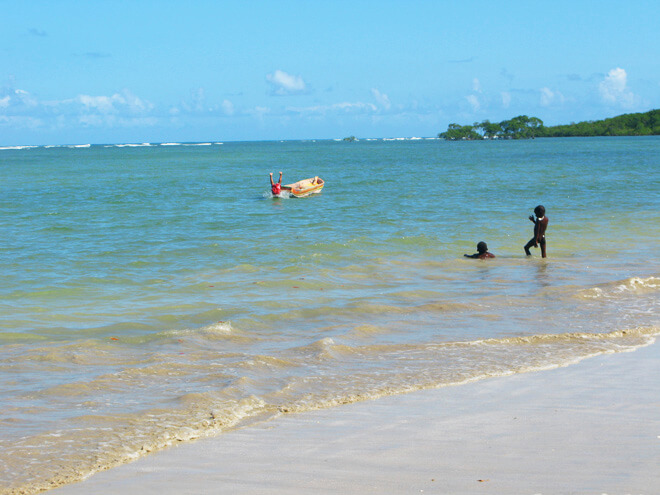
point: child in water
(275, 187)
(482, 252)
(540, 226)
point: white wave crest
(17, 147)
(629, 286)
(637, 283)
(220, 327)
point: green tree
(524, 127)
(490, 129)
(456, 132)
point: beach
(592, 427)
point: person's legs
(527, 246)
(542, 243)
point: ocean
(156, 293)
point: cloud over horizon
(614, 89)
(117, 103)
(283, 84)
(21, 109)
(550, 97)
(381, 98)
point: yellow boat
(305, 187)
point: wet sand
(593, 427)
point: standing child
(540, 225)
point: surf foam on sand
(592, 427)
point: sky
(79, 72)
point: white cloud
(109, 120)
(22, 97)
(613, 89)
(476, 85)
(22, 110)
(286, 84)
(228, 107)
(347, 106)
(117, 103)
(381, 98)
(102, 104)
(550, 97)
(474, 102)
(546, 96)
(506, 99)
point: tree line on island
(524, 127)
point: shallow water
(158, 293)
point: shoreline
(591, 427)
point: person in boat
(540, 225)
(482, 252)
(277, 187)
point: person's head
(482, 247)
(539, 211)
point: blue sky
(76, 72)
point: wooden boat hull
(305, 187)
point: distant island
(524, 127)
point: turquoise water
(153, 294)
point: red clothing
(276, 188)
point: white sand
(591, 428)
